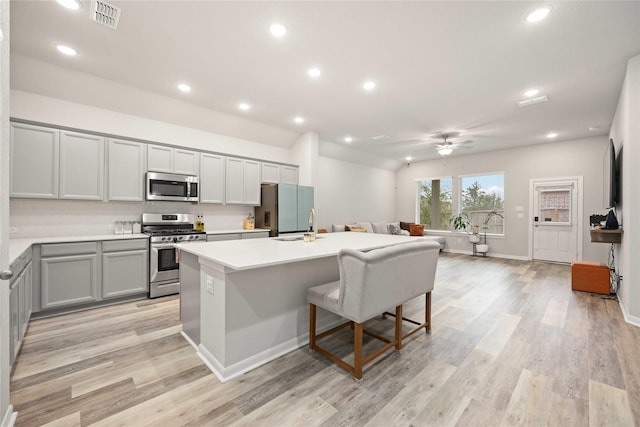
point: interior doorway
(556, 219)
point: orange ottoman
(590, 277)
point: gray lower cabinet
(69, 280)
(255, 235)
(90, 272)
(221, 237)
(19, 307)
(124, 268)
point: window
(482, 199)
(434, 203)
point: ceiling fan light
(445, 151)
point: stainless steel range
(165, 230)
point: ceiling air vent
(532, 101)
(105, 14)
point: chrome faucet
(312, 222)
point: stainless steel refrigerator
(285, 208)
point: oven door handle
(163, 246)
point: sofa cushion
(366, 225)
(380, 227)
(337, 227)
(416, 230)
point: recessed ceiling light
(594, 128)
(551, 135)
(531, 92)
(183, 87)
(69, 51)
(314, 72)
(69, 4)
(408, 158)
(538, 14)
(299, 120)
(348, 139)
(369, 85)
(244, 106)
(278, 30)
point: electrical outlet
(210, 284)
(13, 229)
(459, 240)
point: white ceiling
(439, 66)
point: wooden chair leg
(427, 314)
(399, 327)
(357, 350)
(312, 326)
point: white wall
(625, 132)
(348, 192)
(581, 157)
(44, 109)
(6, 410)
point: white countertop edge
(238, 230)
(18, 246)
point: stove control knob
(176, 239)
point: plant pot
(482, 248)
(474, 238)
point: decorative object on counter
(118, 227)
(249, 222)
(127, 227)
(199, 225)
(137, 229)
(309, 237)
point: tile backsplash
(50, 218)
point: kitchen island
(244, 303)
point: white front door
(556, 207)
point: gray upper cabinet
(126, 166)
(242, 179)
(172, 160)
(185, 161)
(251, 182)
(81, 166)
(159, 158)
(234, 179)
(211, 178)
(289, 175)
(270, 173)
(34, 161)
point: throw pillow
(337, 227)
(416, 230)
(354, 227)
(405, 225)
(366, 225)
(395, 229)
(380, 227)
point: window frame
(417, 199)
(504, 198)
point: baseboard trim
(9, 418)
(489, 254)
(189, 340)
(632, 320)
(225, 374)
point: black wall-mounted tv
(610, 177)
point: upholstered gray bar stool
(370, 283)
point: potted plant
(460, 221)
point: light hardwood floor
(511, 344)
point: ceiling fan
(445, 146)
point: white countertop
(238, 230)
(256, 253)
(18, 246)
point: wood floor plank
(608, 406)
(529, 405)
(511, 344)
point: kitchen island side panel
(190, 296)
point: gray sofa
(385, 227)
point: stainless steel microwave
(171, 187)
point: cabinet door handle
(6, 274)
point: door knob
(6, 274)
